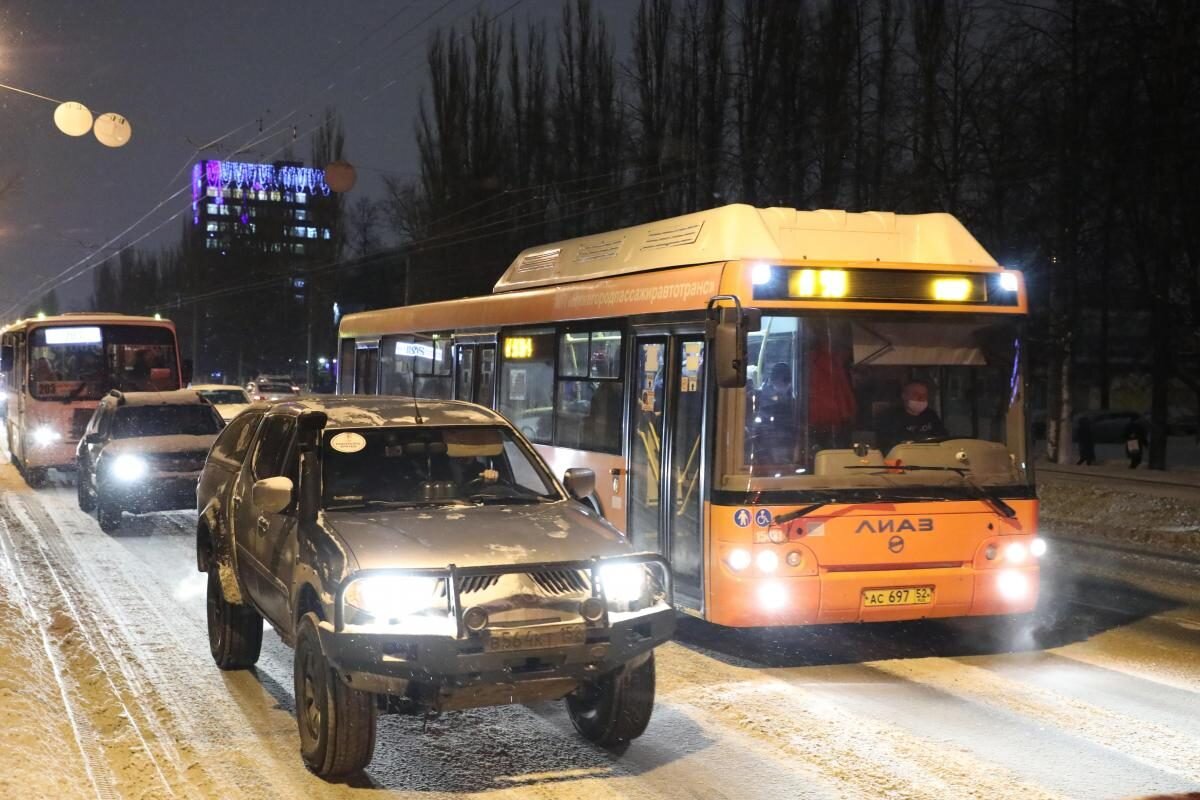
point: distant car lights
(45, 436)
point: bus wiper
(783, 519)
(984, 495)
(504, 499)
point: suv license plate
(904, 596)
(504, 640)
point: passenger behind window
(775, 417)
(831, 403)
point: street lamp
(75, 119)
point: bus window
(826, 396)
(84, 362)
(527, 383)
(432, 368)
(590, 393)
(464, 372)
(396, 366)
(485, 392)
(366, 369)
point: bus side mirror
(6, 358)
(728, 332)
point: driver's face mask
(915, 407)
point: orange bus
(56, 368)
(816, 416)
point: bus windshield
(84, 362)
(876, 403)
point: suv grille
(176, 462)
(470, 584)
(562, 581)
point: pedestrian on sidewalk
(1135, 442)
(1087, 444)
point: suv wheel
(614, 709)
(337, 723)
(108, 514)
(234, 632)
(87, 503)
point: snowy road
(107, 691)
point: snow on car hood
(177, 443)
(468, 536)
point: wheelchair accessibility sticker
(762, 518)
(741, 518)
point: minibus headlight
(1015, 552)
(767, 561)
(44, 436)
(1013, 585)
(1038, 547)
(772, 596)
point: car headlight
(44, 436)
(393, 597)
(623, 583)
(129, 468)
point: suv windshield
(833, 402)
(137, 421)
(429, 465)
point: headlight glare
(128, 468)
(738, 559)
(1038, 547)
(623, 583)
(1015, 553)
(1013, 585)
(44, 436)
(392, 597)
(767, 561)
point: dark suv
(421, 558)
(143, 451)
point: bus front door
(665, 497)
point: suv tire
(108, 514)
(336, 722)
(87, 503)
(615, 709)
(234, 632)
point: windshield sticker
(762, 518)
(741, 518)
(348, 442)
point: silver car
(420, 557)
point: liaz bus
(816, 416)
(56, 369)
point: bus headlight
(1013, 585)
(44, 436)
(388, 598)
(772, 596)
(1016, 553)
(623, 583)
(1038, 547)
(129, 468)
(738, 559)
(767, 561)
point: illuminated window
(301, 197)
(276, 195)
(213, 191)
(212, 208)
(325, 231)
(212, 226)
(301, 215)
(298, 248)
(312, 233)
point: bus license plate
(503, 641)
(907, 596)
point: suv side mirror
(95, 437)
(579, 482)
(272, 495)
(728, 329)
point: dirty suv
(421, 558)
(143, 451)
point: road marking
(1148, 742)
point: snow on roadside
(1122, 517)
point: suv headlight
(129, 468)
(623, 583)
(388, 598)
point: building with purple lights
(272, 208)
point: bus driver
(912, 421)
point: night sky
(185, 74)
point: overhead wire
(60, 279)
